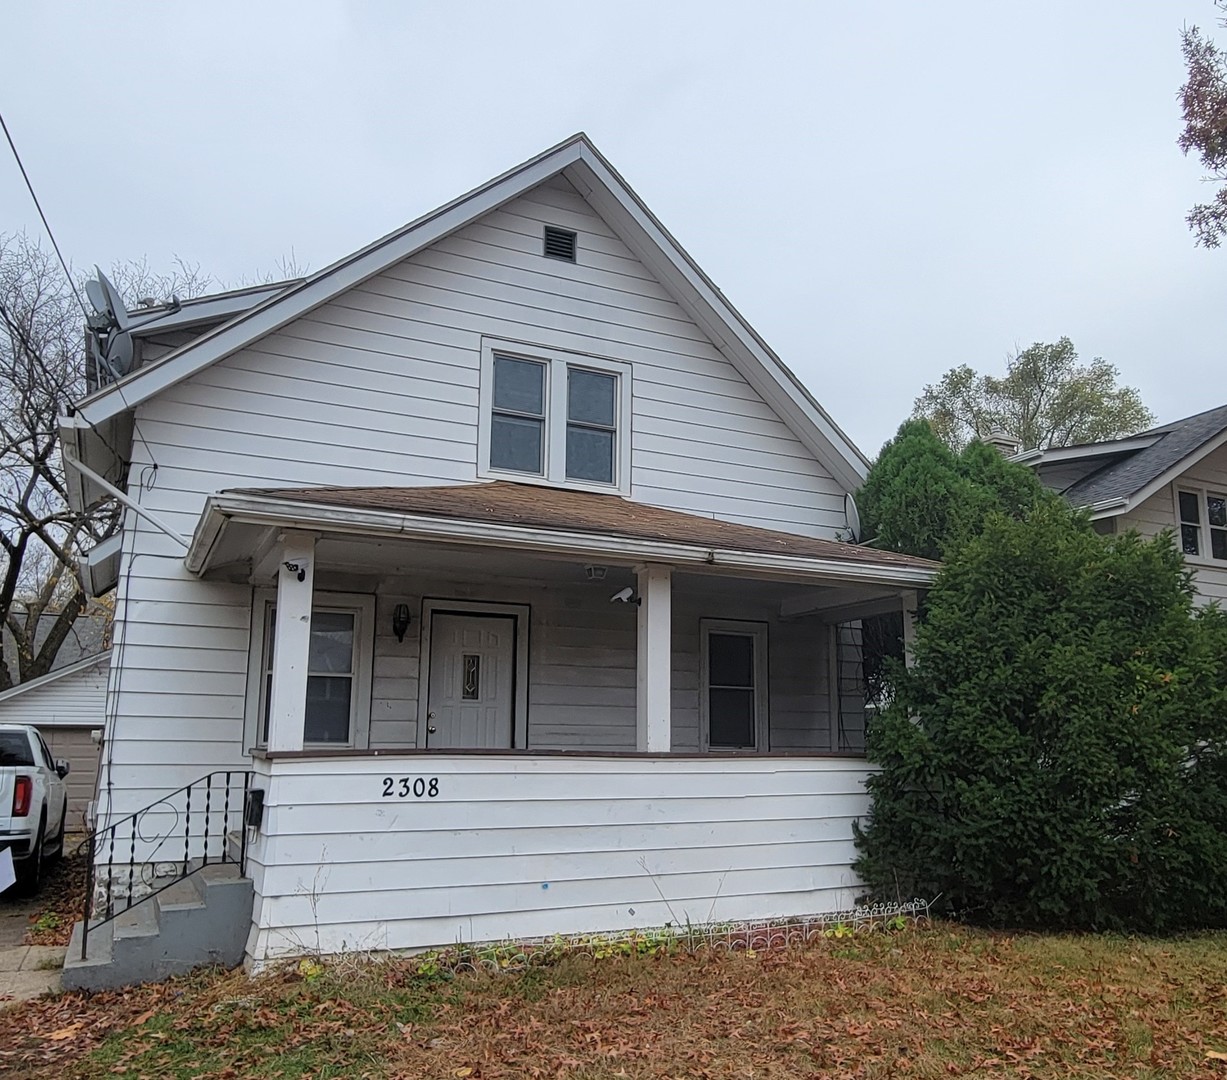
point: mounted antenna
(853, 516)
(111, 349)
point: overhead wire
(85, 312)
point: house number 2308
(405, 786)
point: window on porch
(337, 708)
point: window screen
(330, 676)
(731, 691)
(592, 412)
(517, 429)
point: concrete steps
(202, 920)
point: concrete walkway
(26, 971)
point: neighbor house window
(1203, 523)
(556, 418)
(337, 708)
(733, 685)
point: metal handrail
(224, 796)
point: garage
(67, 706)
(77, 747)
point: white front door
(472, 664)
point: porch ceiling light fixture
(400, 620)
(594, 572)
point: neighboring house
(504, 554)
(1171, 477)
(67, 706)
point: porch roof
(533, 517)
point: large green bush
(923, 499)
(1057, 755)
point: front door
(472, 663)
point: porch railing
(136, 857)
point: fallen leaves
(945, 1002)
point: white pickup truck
(33, 802)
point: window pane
(1189, 539)
(328, 700)
(1188, 508)
(519, 385)
(590, 397)
(731, 718)
(516, 444)
(332, 641)
(730, 660)
(1216, 509)
(15, 750)
(590, 454)
(1218, 543)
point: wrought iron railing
(134, 858)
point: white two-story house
(504, 564)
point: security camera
(622, 596)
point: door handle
(431, 730)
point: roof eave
(222, 509)
(615, 199)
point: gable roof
(85, 664)
(1144, 462)
(625, 213)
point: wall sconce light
(400, 620)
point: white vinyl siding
(520, 847)
(73, 699)
(381, 386)
(1161, 511)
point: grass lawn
(931, 1003)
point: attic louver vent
(559, 243)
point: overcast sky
(884, 189)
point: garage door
(75, 746)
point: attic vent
(559, 243)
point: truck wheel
(30, 870)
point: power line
(46, 224)
(73, 286)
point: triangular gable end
(626, 214)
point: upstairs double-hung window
(557, 419)
(1203, 523)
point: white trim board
(624, 212)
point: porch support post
(910, 601)
(654, 662)
(291, 641)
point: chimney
(1006, 444)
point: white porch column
(654, 662)
(291, 641)
(910, 602)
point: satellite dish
(120, 352)
(115, 303)
(97, 296)
(853, 516)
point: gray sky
(884, 189)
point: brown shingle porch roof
(506, 503)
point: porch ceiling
(538, 522)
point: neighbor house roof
(507, 512)
(1140, 464)
(84, 664)
(583, 165)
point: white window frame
(1203, 494)
(362, 607)
(757, 631)
(556, 363)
